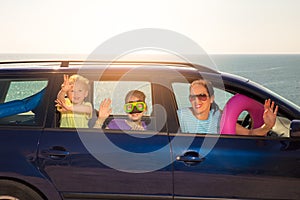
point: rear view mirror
(295, 128)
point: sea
(277, 72)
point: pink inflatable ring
(234, 107)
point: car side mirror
(295, 128)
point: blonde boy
(75, 112)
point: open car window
(117, 91)
(181, 91)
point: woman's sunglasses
(201, 97)
(135, 107)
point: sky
(218, 26)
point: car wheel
(11, 190)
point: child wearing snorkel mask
(135, 107)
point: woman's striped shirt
(190, 124)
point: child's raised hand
(66, 86)
(104, 109)
(62, 105)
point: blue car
(41, 160)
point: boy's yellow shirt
(74, 120)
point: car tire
(12, 190)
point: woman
(204, 115)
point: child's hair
(135, 93)
(77, 78)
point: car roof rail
(68, 63)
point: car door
(105, 164)
(236, 167)
(231, 166)
(23, 101)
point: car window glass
(20, 102)
(221, 97)
(181, 91)
(23, 89)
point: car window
(20, 101)
(181, 91)
(117, 90)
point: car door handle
(190, 157)
(56, 152)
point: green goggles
(135, 107)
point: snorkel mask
(135, 107)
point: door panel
(79, 174)
(236, 167)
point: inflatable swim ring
(234, 107)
